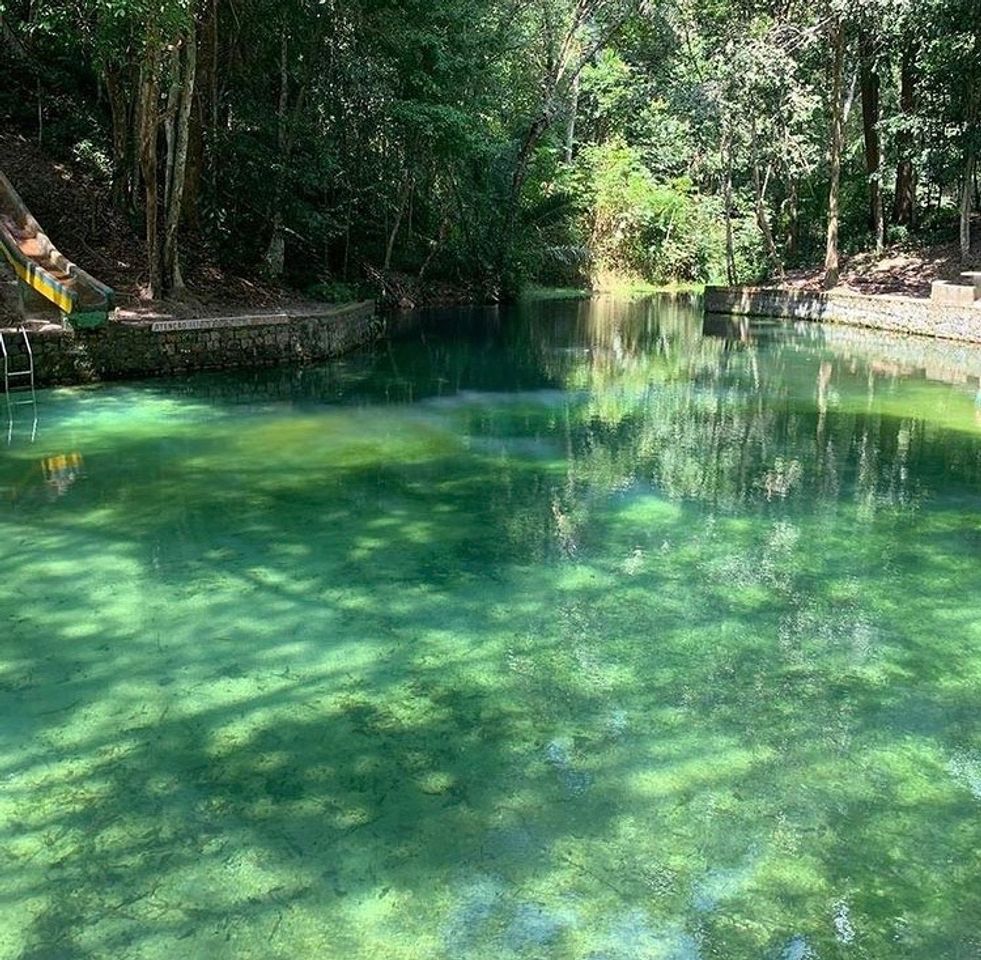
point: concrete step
(954, 294)
(973, 277)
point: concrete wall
(130, 350)
(898, 314)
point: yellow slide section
(39, 265)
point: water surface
(578, 630)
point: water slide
(40, 266)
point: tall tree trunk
(200, 109)
(970, 169)
(275, 259)
(136, 153)
(169, 123)
(831, 260)
(149, 122)
(562, 72)
(968, 187)
(570, 127)
(873, 149)
(213, 100)
(904, 202)
(119, 107)
(761, 182)
(967, 198)
(404, 194)
(726, 151)
(533, 135)
(793, 219)
(186, 56)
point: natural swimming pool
(564, 631)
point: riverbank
(901, 270)
(898, 314)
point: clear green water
(564, 633)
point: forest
(336, 145)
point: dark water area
(587, 630)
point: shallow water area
(585, 630)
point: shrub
(333, 291)
(658, 230)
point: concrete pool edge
(906, 315)
(151, 347)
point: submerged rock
(844, 931)
(631, 937)
(721, 883)
(576, 782)
(966, 769)
(536, 926)
(617, 724)
(797, 949)
(488, 921)
(480, 898)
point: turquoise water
(570, 631)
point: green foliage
(92, 157)
(638, 225)
(332, 291)
(493, 144)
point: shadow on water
(577, 633)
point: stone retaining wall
(131, 350)
(898, 314)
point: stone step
(973, 277)
(954, 294)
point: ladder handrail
(30, 355)
(27, 344)
(7, 373)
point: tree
(870, 132)
(836, 136)
(488, 142)
(904, 203)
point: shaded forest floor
(74, 208)
(906, 270)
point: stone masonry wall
(131, 350)
(898, 314)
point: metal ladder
(9, 374)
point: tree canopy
(493, 142)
